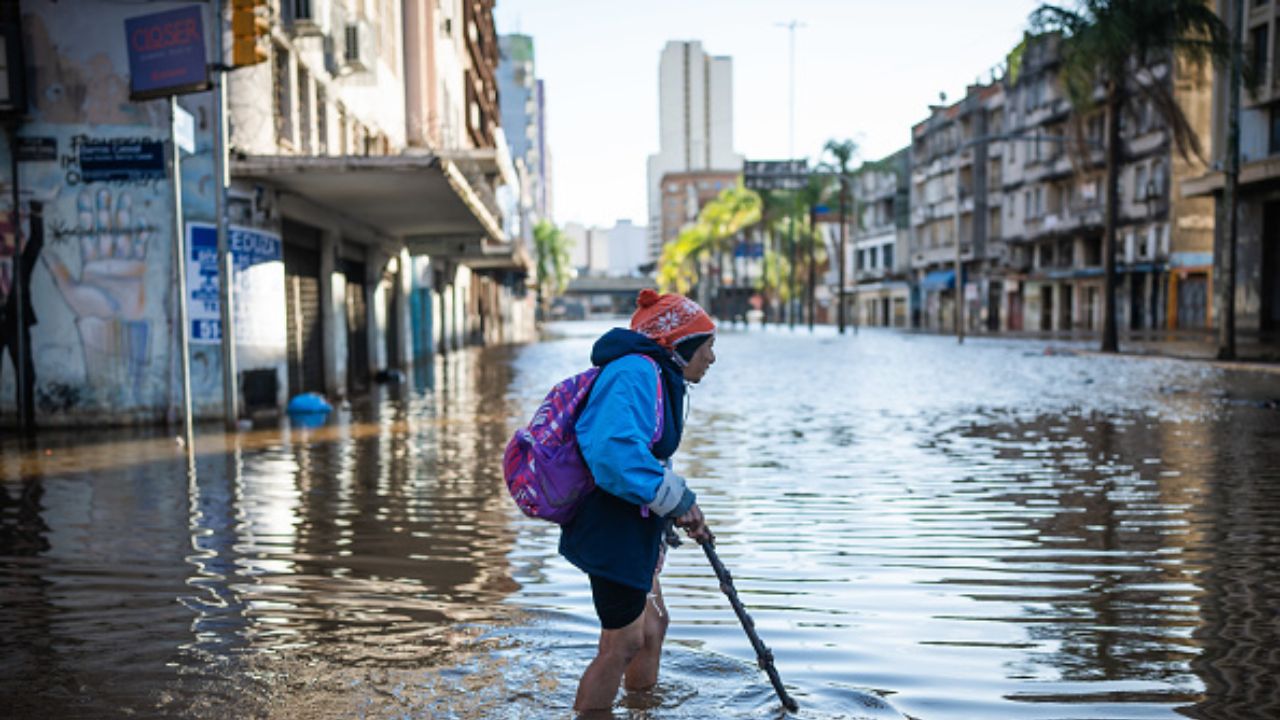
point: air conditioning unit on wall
(359, 48)
(307, 17)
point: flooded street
(985, 532)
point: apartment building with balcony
(951, 200)
(371, 141)
(1053, 178)
(878, 247)
(1257, 297)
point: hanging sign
(166, 53)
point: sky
(864, 69)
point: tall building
(695, 123)
(628, 248)
(521, 103)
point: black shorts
(617, 605)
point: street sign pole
(180, 262)
(167, 58)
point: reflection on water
(979, 532)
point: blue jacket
(610, 536)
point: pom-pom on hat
(668, 319)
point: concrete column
(404, 304)
(332, 306)
(376, 346)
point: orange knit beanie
(668, 319)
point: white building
(628, 248)
(695, 122)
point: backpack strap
(659, 405)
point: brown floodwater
(988, 531)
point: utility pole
(791, 37)
(813, 270)
(226, 263)
(180, 269)
(791, 26)
(840, 309)
(791, 251)
(853, 198)
(1231, 195)
(959, 308)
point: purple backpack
(543, 466)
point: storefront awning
(939, 280)
(411, 197)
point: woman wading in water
(628, 431)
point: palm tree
(717, 224)
(770, 277)
(552, 249)
(841, 154)
(1113, 48)
(811, 196)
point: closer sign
(166, 53)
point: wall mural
(99, 280)
(108, 295)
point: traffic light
(250, 32)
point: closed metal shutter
(1193, 301)
(303, 318)
(357, 326)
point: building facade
(1055, 208)
(523, 122)
(952, 248)
(879, 251)
(628, 249)
(1257, 261)
(695, 125)
(366, 159)
(684, 194)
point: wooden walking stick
(764, 656)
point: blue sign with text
(166, 53)
(249, 247)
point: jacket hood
(620, 342)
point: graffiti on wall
(108, 295)
(99, 283)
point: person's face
(702, 359)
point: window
(862, 259)
(322, 121)
(1140, 183)
(1274, 147)
(343, 139)
(1260, 50)
(304, 110)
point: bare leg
(599, 684)
(642, 672)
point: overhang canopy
(411, 197)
